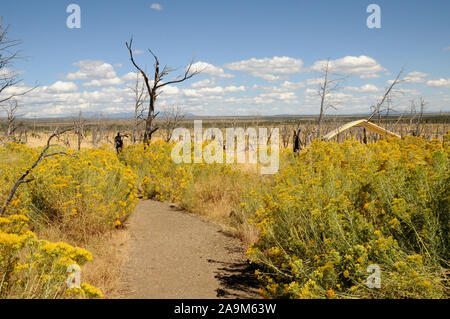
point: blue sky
(262, 57)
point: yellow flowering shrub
(83, 193)
(158, 176)
(197, 187)
(337, 208)
(90, 188)
(14, 160)
(33, 268)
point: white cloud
(286, 85)
(417, 74)
(415, 77)
(6, 72)
(270, 69)
(99, 74)
(234, 89)
(216, 94)
(439, 82)
(210, 69)
(364, 66)
(104, 82)
(371, 76)
(363, 88)
(284, 96)
(217, 90)
(92, 70)
(156, 6)
(130, 76)
(62, 87)
(314, 81)
(310, 91)
(202, 83)
(170, 90)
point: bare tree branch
(378, 109)
(22, 179)
(327, 87)
(171, 118)
(158, 83)
(8, 53)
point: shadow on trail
(236, 280)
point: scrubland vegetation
(311, 230)
(333, 210)
(78, 197)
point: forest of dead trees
(153, 121)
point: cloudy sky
(259, 57)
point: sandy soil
(173, 254)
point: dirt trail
(174, 254)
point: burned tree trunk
(153, 89)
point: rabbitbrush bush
(33, 268)
(84, 193)
(327, 215)
(338, 208)
(158, 176)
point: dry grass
(106, 270)
(110, 253)
(218, 197)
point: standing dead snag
(79, 126)
(8, 55)
(418, 130)
(154, 87)
(377, 110)
(11, 116)
(172, 117)
(141, 95)
(285, 135)
(326, 88)
(23, 178)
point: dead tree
(96, 136)
(327, 87)
(8, 78)
(79, 126)
(285, 135)
(11, 116)
(154, 87)
(379, 108)
(23, 177)
(419, 119)
(171, 118)
(140, 95)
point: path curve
(174, 254)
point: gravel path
(174, 254)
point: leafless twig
(23, 178)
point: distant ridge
(129, 115)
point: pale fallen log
(360, 123)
